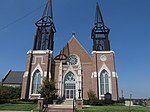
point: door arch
(69, 86)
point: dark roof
(13, 77)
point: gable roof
(74, 47)
(13, 77)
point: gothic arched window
(69, 86)
(104, 82)
(36, 82)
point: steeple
(100, 33)
(44, 38)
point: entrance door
(70, 90)
(69, 86)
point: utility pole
(130, 102)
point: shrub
(7, 94)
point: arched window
(104, 82)
(69, 86)
(36, 82)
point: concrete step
(60, 108)
(67, 102)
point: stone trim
(39, 51)
(38, 67)
(109, 79)
(103, 52)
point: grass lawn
(18, 107)
(114, 109)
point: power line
(21, 18)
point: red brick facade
(86, 71)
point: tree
(48, 90)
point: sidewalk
(18, 111)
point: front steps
(67, 102)
(66, 106)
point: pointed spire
(48, 9)
(99, 23)
(98, 16)
(100, 33)
(44, 38)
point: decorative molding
(39, 51)
(94, 75)
(25, 74)
(103, 58)
(103, 52)
(35, 58)
(38, 67)
(104, 67)
(114, 74)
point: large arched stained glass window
(69, 86)
(104, 82)
(36, 82)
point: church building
(74, 71)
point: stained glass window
(69, 86)
(104, 82)
(36, 82)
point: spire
(48, 9)
(100, 33)
(44, 38)
(98, 15)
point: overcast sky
(129, 21)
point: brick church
(74, 71)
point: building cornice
(40, 52)
(103, 52)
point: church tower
(105, 79)
(40, 58)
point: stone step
(68, 102)
(60, 108)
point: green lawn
(18, 107)
(114, 109)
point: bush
(9, 93)
(93, 100)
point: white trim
(25, 74)
(39, 51)
(114, 74)
(104, 67)
(35, 58)
(103, 52)
(94, 75)
(60, 80)
(77, 80)
(38, 67)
